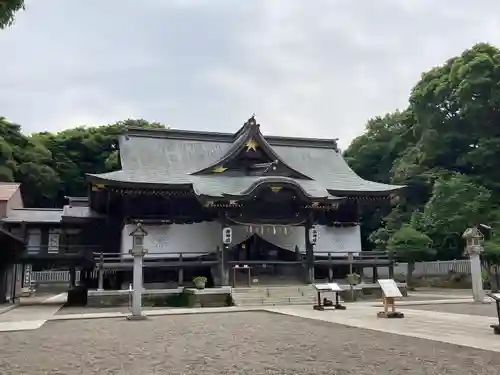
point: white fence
(43, 277)
(48, 277)
(426, 268)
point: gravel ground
(459, 308)
(231, 343)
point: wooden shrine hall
(291, 205)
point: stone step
(274, 301)
(280, 294)
(281, 290)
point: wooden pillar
(72, 277)
(309, 255)
(180, 272)
(375, 274)
(330, 268)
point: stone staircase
(274, 295)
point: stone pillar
(477, 279)
(224, 266)
(26, 288)
(473, 249)
(137, 285)
(138, 251)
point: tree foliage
(8, 9)
(51, 166)
(445, 147)
(410, 245)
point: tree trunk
(409, 274)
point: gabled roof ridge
(250, 132)
(212, 136)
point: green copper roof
(170, 157)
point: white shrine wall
(168, 241)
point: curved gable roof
(171, 158)
(250, 132)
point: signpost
(330, 287)
(496, 297)
(390, 291)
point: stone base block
(340, 307)
(496, 328)
(319, 308)
(390, 315)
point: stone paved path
(459, 329)
(27, 317)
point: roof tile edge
(208, 136)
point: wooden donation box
(390, 292)
(328, 288)
(496, 298)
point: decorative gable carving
(251, 155)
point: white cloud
(311, 68)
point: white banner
(164, 241)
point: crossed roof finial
(251, 121)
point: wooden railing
(175, 260)
(66, 250)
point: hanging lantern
(274, 230)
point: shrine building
(291, 204)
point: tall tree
(82, 150)
(24, 160)
(8, 8)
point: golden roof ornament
(251, 145)
(219, 169)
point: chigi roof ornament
(251, 121)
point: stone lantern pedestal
(138, 251)
(137, 284)
(473, 249)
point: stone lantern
(138, 251)
(473, 248)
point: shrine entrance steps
(274, 295)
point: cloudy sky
(307, 68)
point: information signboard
(389, 288)
(330, 287)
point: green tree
(450, 128)
(409, 245)
(24, 160)
(456, 203)
(8, 8)
(82, 150)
